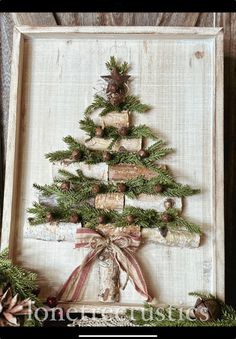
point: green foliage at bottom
(170, 316)
(21, 281)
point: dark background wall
(225, 20)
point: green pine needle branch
(144, 218)
(81, 188)
(132, 104)
(110, 132)
(160, 317)
(21, 281)
(157, 151)
(113, 63)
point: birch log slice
(116, 119)
(97, 171)
(100, 144)
(156, 202)
(110, 201)
(109, 278)
(52, 232)
(127, 171)
(109, 272)
(175, 238)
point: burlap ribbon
(121, 247)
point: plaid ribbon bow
(121, 247)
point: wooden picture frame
(27, 67)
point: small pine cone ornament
(75, 218)
(207, 309)
(101, 219)
(166, 217)
(49, 217)
(76, 155)
(95, 189)
(123, 131)
(130, 219)
(121, 187)
(106, 156)
(65, 186)
(143, 153)
(99, 132)
(158, 188)
(11, 307)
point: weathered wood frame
(11, 187)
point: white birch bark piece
(52, 232)
(47, 201)
(100, 144)
(52, 201)
(110, 201)
(127, 171)
(109, 272)
(156, 202)
(109, 278)
(116, 119)
(175, 238)
(97, 171)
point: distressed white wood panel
(155, 202)
(175, 74)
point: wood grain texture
(34, 19)
(227, 20)
(127, 19)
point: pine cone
(11, 308)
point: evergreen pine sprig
(81, 188)
(179, 317)
(150, 318)
(21, 281)
(99, 102)
(58, 155)
(144, 218)
(111, 132)
(132, 104)
(157, 151)
(113, 63)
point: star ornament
(116, 78)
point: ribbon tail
(73, 288)
(134, 272)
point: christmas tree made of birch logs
(110, 194)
